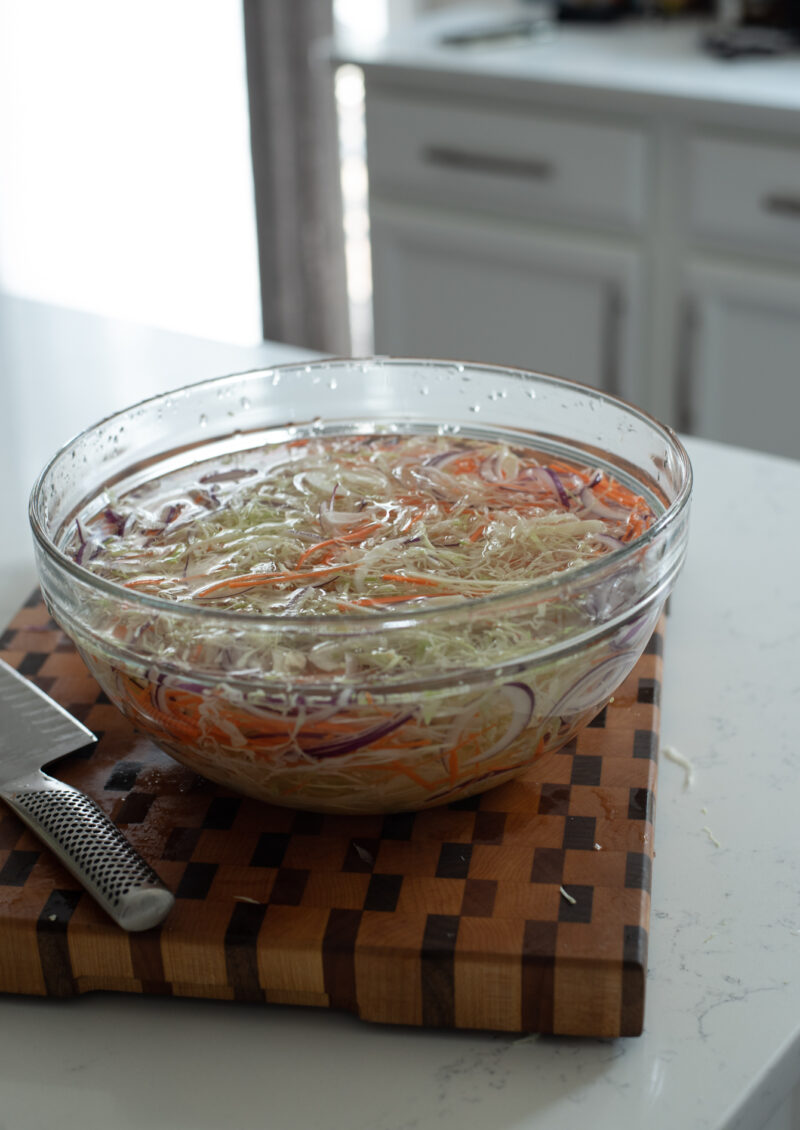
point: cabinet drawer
(516, 163)
(746, 194)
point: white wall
(125, 176)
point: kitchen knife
(34, 730)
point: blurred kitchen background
(604, 189)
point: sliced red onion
(521, 699)
(500, 467)
(334, 521)
(637, 632)
(596, 686)
(158, 696)
(443, 457)
(88, 546)
(115, 519)
(337, 521)
(600, 508)
(82, 542)
(352, 742)
(607, 539)
(555, 478)
(297, 596)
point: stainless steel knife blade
(35, 729)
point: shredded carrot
(251, 579)
(410, 580)
(463, 466)
(138, 582)
(354, 535)
(399, 767)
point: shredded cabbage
(359, 525)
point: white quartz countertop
(721, 1047)
(635, 64)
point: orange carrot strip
(399, 767)
(251, 579)
(354, 535)
(170, 722)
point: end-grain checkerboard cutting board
(524, 909)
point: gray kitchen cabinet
(611, 206)
(741, 383)
(506, 237)
(741, 288)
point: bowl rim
(572, 578)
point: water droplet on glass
(474, 407)
(332, 383)
(276, 379)
(245, 403)
(532, 393)
(203, 420)
(424, 391)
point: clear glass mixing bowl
(524, 670)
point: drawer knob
(782, 204)
(530, 168)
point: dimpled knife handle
(92, 848)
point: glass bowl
(522, 672)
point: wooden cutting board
(452, 917)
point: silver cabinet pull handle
(452, 158)
(782, 204)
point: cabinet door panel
(743, 384)
(446, 287)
